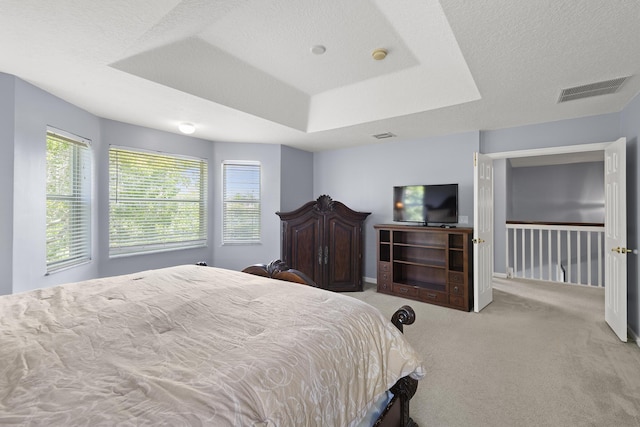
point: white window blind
(241, 202)
(157, 202)
(68, 231)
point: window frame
(80, 227)
(225, 240)
(143, 247)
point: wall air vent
(592, 89)
(384, 135)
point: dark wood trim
(279, 270)
(569, 224)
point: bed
(196, 345)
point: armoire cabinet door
(323, 239)
(343, 260)
(304, 246)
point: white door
(482, 231)
(615, 228)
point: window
(241, 202)
(68, 230)
(157, 202)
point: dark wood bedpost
(403, 316)
(279, 270)
(406, 387)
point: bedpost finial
(403, 316)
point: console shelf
(429, 264)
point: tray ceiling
(243, 70)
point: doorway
(615, 223)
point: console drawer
(384, 266)
(455, 277)
(457, 301)
(384, 276)
(457, 290)
(433, 296)
(410, 291)
(384, 287)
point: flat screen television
(426, 204)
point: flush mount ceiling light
(318, 49)
(187, 128)
(379, 54)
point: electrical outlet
(463, 219)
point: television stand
(428, 264)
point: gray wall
(7, 97)
(584, 130)
(35, 109)
(25, 113)
(363, 177)
(630, 128)
(557, 193)
(501, 197)
(296, 187)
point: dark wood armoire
(324, 240)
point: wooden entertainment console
(429, 264)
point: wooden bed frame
(396, 413)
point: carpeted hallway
(540, 354)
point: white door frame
(579, 148)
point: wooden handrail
(568, 224)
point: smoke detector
(379, 54)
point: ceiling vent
(592, 89)
(384, 135)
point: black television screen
(435, 204)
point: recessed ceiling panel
(257, 58)
(441, 79)
(198, 68)
(276, 37)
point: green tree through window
(241, 202)
(68, 231)
(156, 202)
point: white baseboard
(370, 280)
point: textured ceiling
(242, 70)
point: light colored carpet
(540, 354)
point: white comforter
(194, 346)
